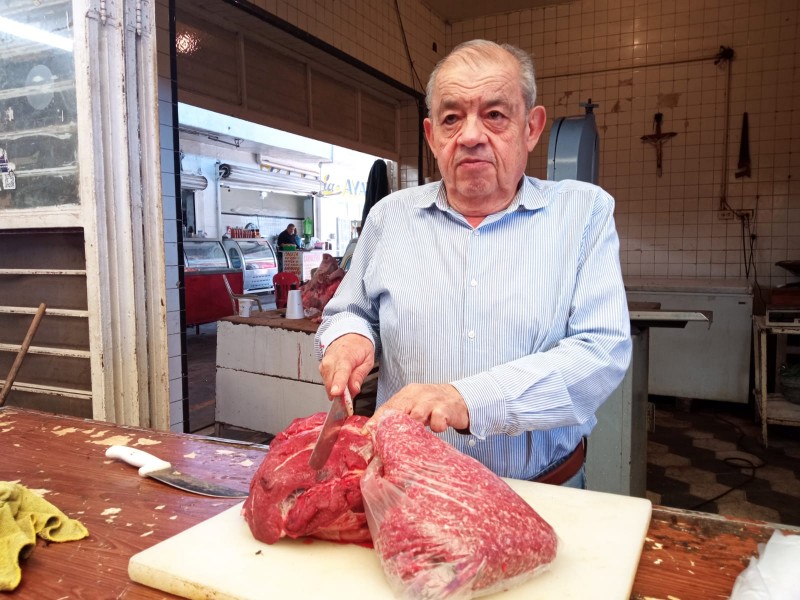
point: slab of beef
(444, 526)
(288, 498)
(323, 284)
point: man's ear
(428, 127)
(537, 120)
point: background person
(289, 236)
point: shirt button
(471, 335)
(477, 232)
(473, 283)
(472, 442)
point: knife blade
(341, 408)
(155, 468)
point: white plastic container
(294, 305)
(245, 306)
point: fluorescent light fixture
(34, 34)
(191, 181)
(255, 179)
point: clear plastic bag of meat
(290, 499)
(444, 526)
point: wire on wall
(408, 51)
(725, 56)
(748, 252)
(423, 150)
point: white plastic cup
(245, 306)
(294, 305)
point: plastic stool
(283, 282)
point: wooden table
(686, 555)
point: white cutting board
(600, 540)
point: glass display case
(204, 255)
(206, 295)
(257, 260)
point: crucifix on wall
(657, 139)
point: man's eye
(449, 119)
(495, 114)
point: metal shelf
(772, 407)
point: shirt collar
(528, 197)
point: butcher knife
(341, 408)
(161, 470)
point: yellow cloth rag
(23, 515)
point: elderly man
(504, 350)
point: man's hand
(347, 362)
(437, 405)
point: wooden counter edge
(276, 319)
(689, 554)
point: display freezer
(206, 296)
(256, 259)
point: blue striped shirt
(525, 314)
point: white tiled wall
(638, 57)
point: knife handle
(146, 462)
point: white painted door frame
(122, 210)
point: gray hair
(475, 51)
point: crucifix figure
(657, 139)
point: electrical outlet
(725, 215)
(745, 213)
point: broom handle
(26, 343)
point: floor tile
(710, 458)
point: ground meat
(442, 523)
(288, 498)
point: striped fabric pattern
(525, 315)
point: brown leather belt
(567, 468)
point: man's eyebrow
(451, 103)
(501, 101)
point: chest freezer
(705, 361)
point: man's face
(291, 229)
(480, 132)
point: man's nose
(472, 132)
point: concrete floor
(704, 456)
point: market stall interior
(706, 454)
(708, 457)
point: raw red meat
(323, 284)
(443, 525)
(289, 498)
